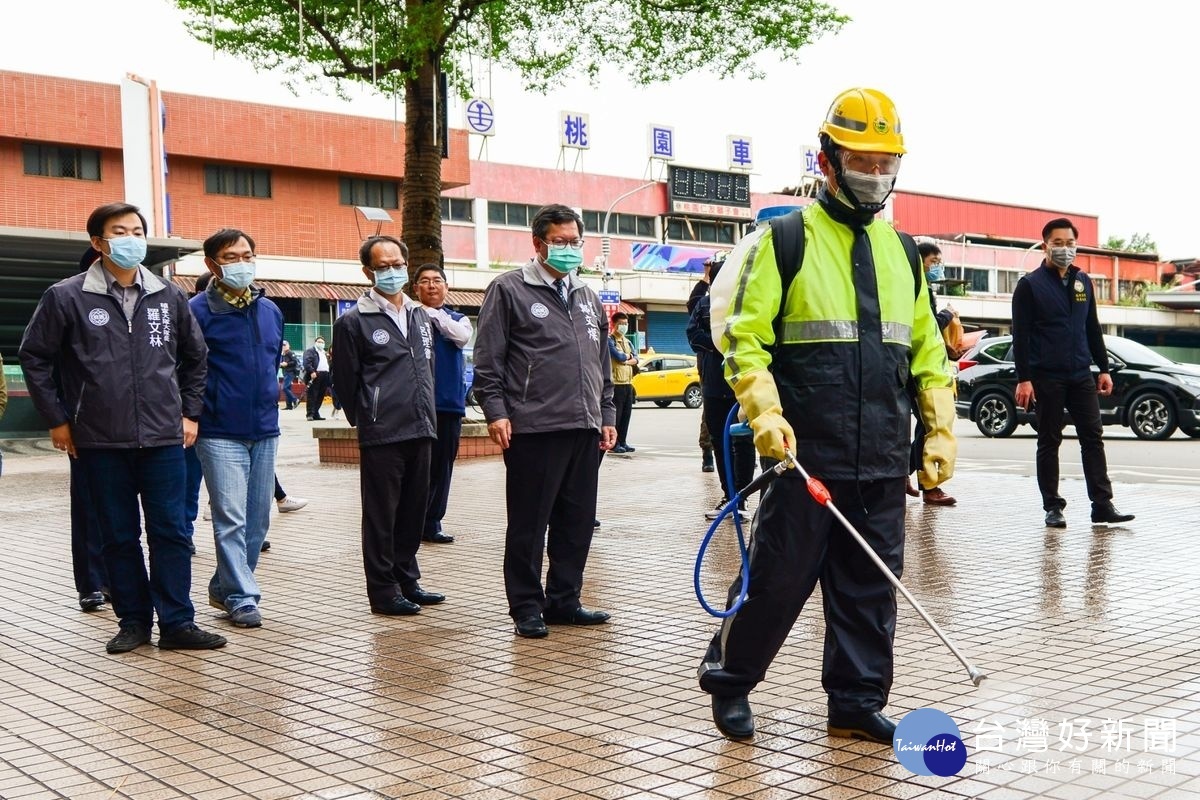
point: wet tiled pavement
(1084, 625)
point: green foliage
(1138, 243)
(385, 41)
(394, 45)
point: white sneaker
(291, 504)
(716, 512)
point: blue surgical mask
(936, 273)
(564, 259)
(127, 251)
(390, 281)
(238, 275)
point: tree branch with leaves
(399, 46)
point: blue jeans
(241, 481)
(288, 394)
(115, 480)
(191, 503)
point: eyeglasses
(381, 267)
(886, 163)
(233, 258)
(574, 244)
(431, 282)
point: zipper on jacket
(375, 405)
(528, 376)
(79, 405)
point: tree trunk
(421, 219)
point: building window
(515, 214)
(457, 209)
(977, 279)
(364, 192)
(237, 181)
(53, 161)
(1008, 278)
(619, 224)
(700, 230)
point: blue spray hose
(733, 428)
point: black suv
(1151, 394)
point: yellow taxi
(665, 378)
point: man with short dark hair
(935, 272)
(623, 359)
(130, 363)
(289, 366)
(383, 373)
(543, 380)
(1056, 339)
(316, 374)
(239, 427)
(451, 333)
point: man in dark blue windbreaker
(239, 427)
(1056, 339)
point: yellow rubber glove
(937, 413)
(759, 398)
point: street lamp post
(605, 241)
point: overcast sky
(1071, 106)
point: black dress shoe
(531, 627)
(424, 598)
(398, 606)
(579, 616)
(1107, 513)
(733, 716)
(870, 726)
(130, 637)
(90, 602)
(437, 537)
(190, 637)
(1055, 518)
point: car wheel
(662, 403)
(996, 416)
(692, 398)
(1152, 416)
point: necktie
(562, 291)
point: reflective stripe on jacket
(852, 334)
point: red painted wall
(923, 214)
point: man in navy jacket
(1056, 339)
(451, 333)
(130, 365)
(239, 427)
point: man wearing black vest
(1056, 339)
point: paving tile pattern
(328, 701)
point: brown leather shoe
(936, 497)
(909, 489)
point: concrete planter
(340, 445)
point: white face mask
(622, 329)
(870, 189)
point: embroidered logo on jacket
(380, 336)
(98, 317)
(539, 311)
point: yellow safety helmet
(864, 119)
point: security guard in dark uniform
(856, 323)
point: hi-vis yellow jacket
(854, 331)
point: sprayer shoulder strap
(787, 234)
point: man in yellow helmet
(820, 369)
